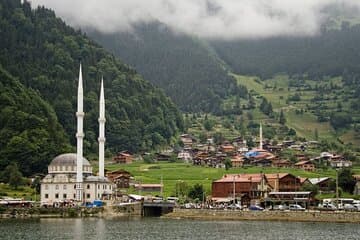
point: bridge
(155, 209)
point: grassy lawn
(24, 192)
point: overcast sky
(206, 18)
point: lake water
(156, 228)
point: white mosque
(70, 176)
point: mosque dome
(66, 163)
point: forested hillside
(185, 67)
(331, 53)
(43, 53)
(30, 133)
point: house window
(64, 196)
(88, 195)
(74, 196)
(46, 195)
(56, 195)
(46, 187)
(57, 187)
(110, 187)
(64, 187)
(88, 186)
(98, 186)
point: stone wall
(307, 216)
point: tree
(181, 189)
(346, 180)
(282, 119)
(15, 176)
(228, 164)
(196, 191)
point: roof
(302, 163)
(271, 176)
(255, 177)
(67, 159)
(315, 181)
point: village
(255, 189)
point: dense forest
(40, 58)
(330, 53)
(184, 66)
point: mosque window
(56, 195)
(46, 195)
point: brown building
(227, 148)
(120, 177)
(305, 165)
(281, 163)
(254, 186)
(283, 182)
(237, 161)
(324, 183)
(123, 157)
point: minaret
(79, 138)
(101, 138)
(261, 138)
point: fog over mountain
(221, 19)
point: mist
(214, 19)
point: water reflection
(155, 228)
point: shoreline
(237, 215)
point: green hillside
(43, 53)
(310, 106)
(30, 134)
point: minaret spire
(79, 137)
(261, 137)
(102, 121)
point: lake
(157, 228)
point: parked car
(256, 208)
(281, 207)
(296, 207)
(327, 206)
(235, 206)
(349, 207)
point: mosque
(70, 176)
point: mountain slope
(44, 54)
(185, 67)
(30, 134)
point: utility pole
(234, 191)
(337, 188)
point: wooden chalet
(255, 186)
(124, 157)
(283, 182)
(120, 177)
(305, 165)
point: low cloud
(225, 19)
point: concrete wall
(312, 216)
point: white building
(70, 176)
